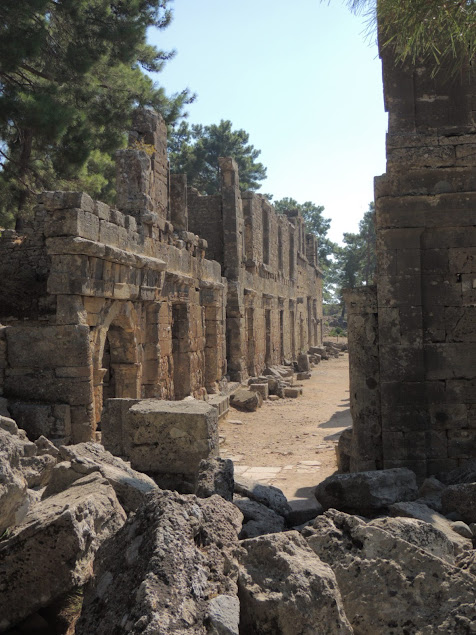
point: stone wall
(274, 301)
(98, 302)
(426, 287)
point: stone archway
(117, 358)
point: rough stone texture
(171, 438)
(37, 469)
(460, 498)
(366, 492)
(284, 588)
(258, 519)
(267, 495)
(215, 476)
(246, 399)
(389, 585)
(14, 502)
(223, 615)
(421, 511)
(302, 511)
(464, 474)
(52, 551)
(415, 339)
(131, 487)
(99, 303)
(162, 569)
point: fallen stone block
(258, 519)
(464, 474)
(302, 511)
(246, 399)
(344, 451)
(223, 615)
(263, 390)
(113, 427)
(37, 469)
(268, 495)
(302, 376)
(14, 501)
(52, 551)
(221, 403)
(389, 585)
(45, 446)
(292, 392)
(460, 498)
(163, 568)
(420, 511)
(169, 438)
(286, 589)
(131, 487)
(303, 363)
(215, 476)
(367, 492)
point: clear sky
(302, 79)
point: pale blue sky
(302, 79)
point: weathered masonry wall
(274, 291)
(426, 286)
(99, 303)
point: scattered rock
(246, 399)
(258, 519)
(464, 474)
(52, 551)
(215, 476)
(163, 567)
(462, 529)
(14, 501)
(37, 469)
(284, 588)
(44, 446)
(367, 492)
(267, 495)
(420, 511)
(303, 510)
(223, 615)
(389, 585)
(130, 486)
(303, 363)
(461, 499)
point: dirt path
(290, 443)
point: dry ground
(290, 443)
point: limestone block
(267, 495)
(131, 487)
(460, 498)
(292, 392)
(161, 569)
(37, 469)
(367, 492)
(52, 551)
(170, 436)
(112, 424)
(65, 200)
(246, 399)
(303, 596)
(263, 389)
(215, 476)
(14, 501)
(303, 363)
(72, 222)
(384, 579)
(421, 511)
(258, 519)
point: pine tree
(71, 72)
(194, 151)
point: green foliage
(194, 151)
(436, 32)
(338, 331)
(71, 73)
(356, 262)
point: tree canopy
(437, 32)
(71, 72)
(355, 262)
(194, 151)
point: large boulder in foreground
(284, 588)
(14, 501)
(130, 486)
(367, 492)
(52, 551)
(164, 568)
(389, 585)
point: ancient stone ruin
(99, 303)
(412, 338)
(120, 309)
